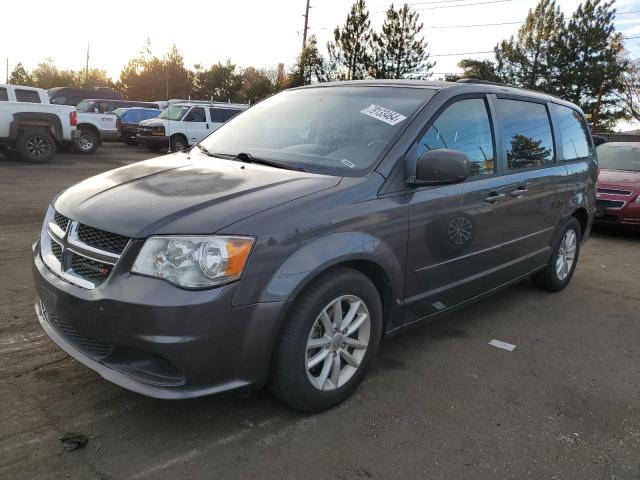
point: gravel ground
(439, 403)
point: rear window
(574, 133)
(27, 96)
(221, 115)
(619, 157)
(527, 136)
(4, 96)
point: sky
(259, 33)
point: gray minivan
(282, 248)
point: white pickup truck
(32, 126)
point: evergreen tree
(20, 76)
(398, 50)
(349, 51)
(531, 59)
(312, 63)
(592, 63)
(479, 69)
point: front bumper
(155, 339)
(616, 212)
(153, 141)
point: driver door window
(463, 126)
(197, 126)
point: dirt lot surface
(440, 403)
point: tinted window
(574, 133)
(29, 96)
(4, 96)
(527, 133)
(196, 115)
(59, 100)
(464, 126)
(221, 115)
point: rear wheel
(329, 339)
(36, 145)
(559, 270)
(87, 142)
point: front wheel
(329, 339)
(559, 270)
(179, 143)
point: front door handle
(519, 192)
(494, 197)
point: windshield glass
(336, 130)
(619, 157)
(85, 106)
(173, 112)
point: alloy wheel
(37, 147)
(566, 254)
(338, 342)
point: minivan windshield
(173, 112)
(338, 130)
(619, 157)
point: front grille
(56, 249)
(94, 237)
(610, 203)
(89, 269)
(84, 343)
(61, 221)
(614, 191)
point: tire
(88, 142)
(36, 145)
(558, 272)
(179, 143)
(314, 389)
(130, 143)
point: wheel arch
(93, 128)
(22, 120)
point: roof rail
(483, 82)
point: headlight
(194, 262)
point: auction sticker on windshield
(383, 114)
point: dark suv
(285, 245)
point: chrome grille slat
(70, 257)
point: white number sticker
(383, 114)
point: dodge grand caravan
(283, 247)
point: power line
(473, 25)
(456, 54)
(627, 13)
(454, 6)
(631, 38)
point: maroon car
(618, 193)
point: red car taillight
(118, 123)
(73, 119)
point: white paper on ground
(503, 345)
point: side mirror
(441, 166)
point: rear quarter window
(574, 133)
(221, 115)
(27, 96)
(4, 96)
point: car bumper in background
(614, 211)
(151, 141)
(155, 339)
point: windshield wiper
(248, 158)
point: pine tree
(349, 51)
(593, 63)
(398, 50)
(315, 66)
(531, 59)
(20, 76)
(479, 69)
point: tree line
(580, 58)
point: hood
(153, 122)
(183, 194)
(622, 178)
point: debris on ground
(72, 441)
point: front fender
(306, 263)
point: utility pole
(304, 39)
(7, 71)
(86, 69)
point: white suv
(182, 125)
